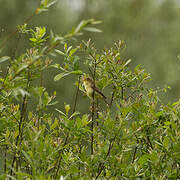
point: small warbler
(90, 87)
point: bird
(90, 87)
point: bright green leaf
(67, 108)
(33, 39)
(78, 72)
(72, 52)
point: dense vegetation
(134, 136)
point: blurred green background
(150, 28)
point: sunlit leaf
(67, 108)
(72, 51)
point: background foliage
(131, 135)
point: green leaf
(61, 112)
(143, 159)
(67, 108)
(92, 29)
(166, 142)
(127, 62)
(27, 157)
(69, 48)
(59, 52)
(33, 39)
(4, 58)
(59, 67)
(65, 47)
(24, 66)
(72, 51)
(54, 125)
(80, 26)
(85, 119)
(96, 22)
(55, 66)
(35, 58)
(20, 91)
(74, 114)
(51, 3)
(78, 72)
(40, 32)
(154, 156)
(40, 10)
(61, 75)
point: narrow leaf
(51, 3)
(24, 66)
(79, 27)
(78, 72)
(59, 52)
(74, 114)
(4, 58)
(61, 112)
(61, 75)
(92, 29)
(96, 22)
(127, 62)
(72, 52)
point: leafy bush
(129, 135)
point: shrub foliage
(131, 135)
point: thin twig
(21, 127)
(75, 102)
(23, 109)
(136, 148)
(93, 105)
